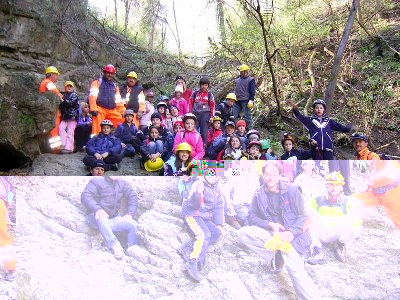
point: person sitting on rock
(155, 119)
(153, 147)
(126, 132)
(277, 217)
(360, 144)
(83, 128)
(311, 183)
(181, 163)
(217, 148)
(225, 108)
(104, 146)
(235, 149)
(203, 213)
(97, 169)
(102, 198)
(331, 222)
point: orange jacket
(48, 86)
(384, 172)
(365, 154)
(94, 92)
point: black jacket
(133, 102)
(226, 111)
(107, 194)
(69, 107)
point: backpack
(209, 96)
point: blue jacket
(104, 143)
(126, 133)
(106, 96)
(143, 134)
(83, 121)
(292, 214)
(321, 129)
(299, 153)
(213, 207)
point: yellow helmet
(216, 118)
(50, 70)
(183, 147)
(132, 75)
(231, 96)
(244, 68)
(69, 82)
(155, 166)
(335, 178)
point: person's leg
(152, 147)
(202, 235)
(129, 151)
(79, 137)
(304, 286)
(6, 242)
(119, 224)
(237, 108)
(203, 123)
(112, 160)
(104, 227)
(89, 160)
(159, 146)
(215, 232)
(242, 212)
(254, 238)
(70, 135)
(115, 117)
(63, 133)
(247, 114)
(96, 120)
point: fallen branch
(386, 145)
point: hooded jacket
(193, 138)
(104, 143)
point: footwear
(277, 262)
(65, 151)
(339, 251)
(231, 220)
(118, 251)
(10, 276)
(191, 268)
(185, 251)
(317, 256)
(114, 167)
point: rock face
(60, 257)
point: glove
(250, 104)
(272, 243)
(94, 113)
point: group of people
(283, 222)
(122, 121)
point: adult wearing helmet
(105, 100)
(225, 108)
(202, 104)
(245, 91)
(48, 85)
(132, 94)
(104, 146)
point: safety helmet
(253, 131)
(255, 143)
(358, 136)
(287, 136)
(150, 94)
(132, 75)
(204, 80)
(319, 101)
(231, 96)
(129, 112)
(265, 144)
(230, 123)
(69, 82)
(106, 122)
(183, 147)
(243, 68)
(216, 118)
(109, 69)
(335, 178)
(180, 77)
(155, 166)
(162, 104)
(163, 98)
(50, 70)
(189, 116)
(155, 115)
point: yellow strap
(198, 244)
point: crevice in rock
(11, 158)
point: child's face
(288, 145)
(106, 129)
(161, 109)
(242, 129)
(156, 122)
(229, 130)
(174, 111)
(150, 99)
(129, 119)
(319, 110)
(230, 102)
(254, 150)
(183, 155)
(85, 110)
(177, 128)
(69, 89)
(235, 142)
(154, 134)
(204, 87)
(217, 125)
(178, 95)
(189, 125)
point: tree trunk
(115, 15)
(330, 90)
(127, 11)
(177, 32)
(221, 20)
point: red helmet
(109, 69)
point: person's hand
(153, 157)
(292, 104)
(287, 236)
(270, 150)
(123, 145)
(276, 226)
(101, 214)
(98, 156)
(313, 142)
(211, 119)
(127, 218)
(104, 155)
(94, 113)
(250, 104)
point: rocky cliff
(59, 257)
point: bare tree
(177, 32)
(115, 15)
(330, 90)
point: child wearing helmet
(254, 150)
(179, 101)
(145, 119)
(156, 120)
(225, 108)
(288, 143)
(252, 136)
(235, 150)
(126, 132)
(215, 130)
(104, 146)
(267, 153)
(216, 150)
(69, 109)
(320, 127)
(181, 163)
(190, 135)
(162, 109)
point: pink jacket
(193, 138)
(182, 105)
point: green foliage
(26, 120)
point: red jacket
(212, 134)
(203, 98)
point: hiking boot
(317, 256)
(10, 276)
(339, 251)
(118, 251)
(114, 167)
(277, 262)
(231, 220)
(191, 268)
(65, 151)
(185, 251)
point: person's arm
(199, 148)
(339, 127)
(191, 103)
(305, 120)
(252, 89)
(301, 214)
(219, 209)
(131, 196)
(89, 197)
(118, 132)
(305, 154)
(212, 106)
(94, 92)
(116, 148)
(185, 106)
